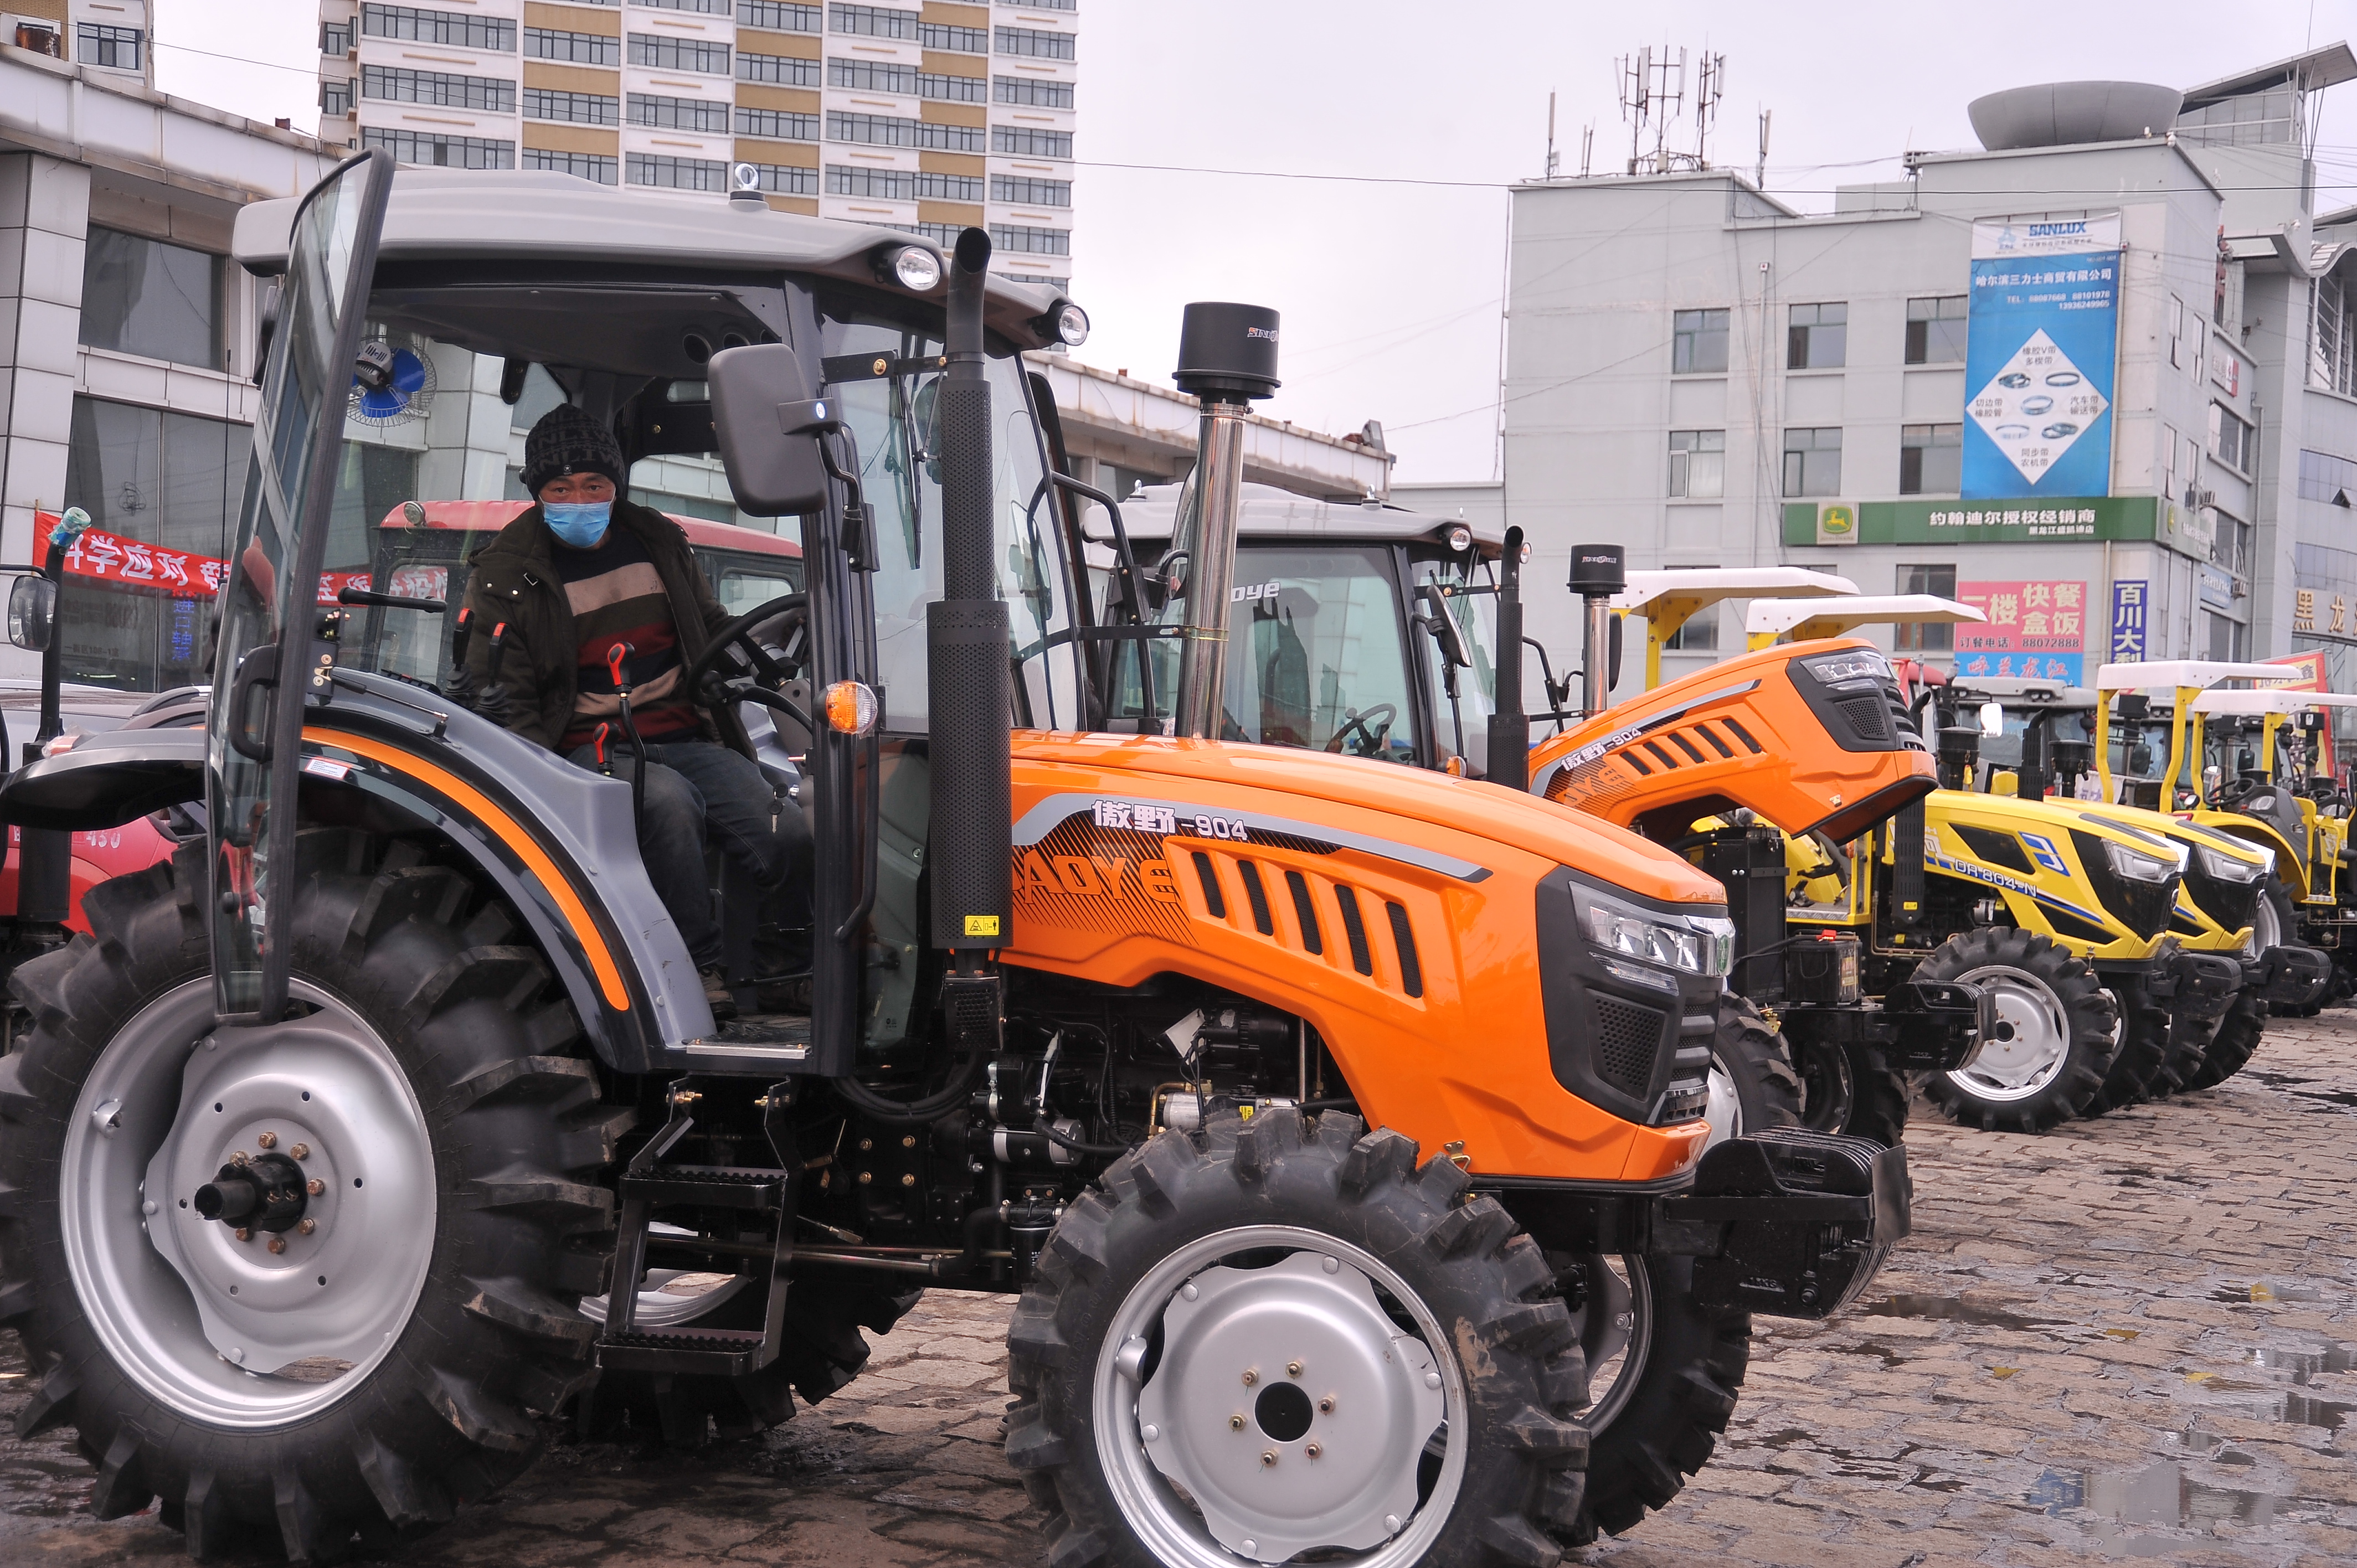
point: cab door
(268, 650)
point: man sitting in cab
(576, 577)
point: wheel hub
(1288, 1406)
(239, 1202)
(2017, 1065)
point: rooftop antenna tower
(1586, 148)
(1759, 174)
(1653, 95)
(1553, 163)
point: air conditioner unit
(2196, 499)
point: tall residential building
(112, 38)
(924, 118)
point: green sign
(2056, 521)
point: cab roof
(1268, 512)
(533, 215)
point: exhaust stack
(1227, 358)
(967, 650)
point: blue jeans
(696, 787)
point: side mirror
(1992, 718)
(1442, 626)
(32, 613)
(2139, 759)
(1612, 654)
(768, 426)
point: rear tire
(2065, 1032)
(1752, 1084)
(2232, 1046)
(405, 970)
(1251, 1211)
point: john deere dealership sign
(2061, 519)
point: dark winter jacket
(514, 580)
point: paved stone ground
(2133, 1339)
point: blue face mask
(580, 524)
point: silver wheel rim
(1202, 1490)
(1615, 1333)
(1724, 1111)
(2267, 931)
(222, 1331)
(2008, 1070)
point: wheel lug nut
(244, 1235)
(1293, 1368)
(239, 1157)
(1313, 1450)
(1325, 1405)
(1235, 1423)
(301, 1151)
(277, 1244)
(268, 1139)
(315, 1186)
(1267, 1457)
(1251, 1377)
(304, 1228)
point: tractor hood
(1809, 735)
(1461, 827)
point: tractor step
(748, 1187)
(720, 1352)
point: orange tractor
(1334, 1134)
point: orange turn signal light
(850, 707)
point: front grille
(1868, 717)
(2230, 904)
(1627, 1043)
(2143, 908)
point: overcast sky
(1390, 279)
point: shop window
(145, 297)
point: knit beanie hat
(570, 440)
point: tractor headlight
(2227, 868)
(2137, 867)
(1696, 944)
(1853, 664)
(918, 269)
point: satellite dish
(392, 384)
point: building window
(1025, 143)
(1025, 191)
(1031, 92)
(421, 27)
(1930, 459)
(2230, 639)
(573, 48)
(335, 37)
(578, 108)
(675, 174)
(437, 87)
(1698, 635)
(777, 15)
(1921, 638)
(787, 179)
(872, 76)
(872, 21)
(2247, 119)
(875, 130)
(956, 138)
(1037, 280)
(1812, 462)
(2232, 439)
(678, 114)
(336, 97)
(703, 7)
(1699, 343)
(1818, 337)
(2331, 337)
(1033, 44)
(777, 71)
(777, 124)
(2176, 332)
(440, 152)
(2229, 544)
(116, 48)
(1045, 5)
(955, 39)
(1935, 330)
(598, 168)
(144, 297)
(952, 89)
(903, 184)
(1699, 464)
(2326, 478)
(679, 54)
(1019, 240)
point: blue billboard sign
(2041, 345)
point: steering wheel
(1353, 719)
(713, 685)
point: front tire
(2231, 1048)
(2065, 1032)
(443, 1067)
(2146, 1039)
(1231, 1298)
(1752, 1084)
